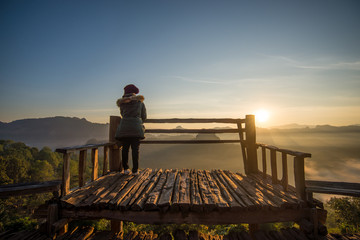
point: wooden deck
(184, 196)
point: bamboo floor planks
(182, 190)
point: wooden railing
(299, 167)
(65, 188)
(245, 129)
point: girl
(131, 129)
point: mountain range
(56, 132)
(53, 132)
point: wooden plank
(78, 195)
(250, 190)
(188, 141)
(95, 163)
(138, 205)
(56, 226)
(277, 201)
(29, 188)
(134, 187)
(167, 191)
(210, 218)
(238, 192)
(184, 190)
(195, 120)
(106, 160)
(204, 131)
(114, 150)
(241, 132)
(142, 189)
(110, 192)
(176, 193)
(207, 196)
(153, 197)
(273, 163)
(96, 192)
(287, 151)
(277, 189)
(337, 191)
(82, 167)
(328, 184)
(123, 194)
(251, 147)
(264, 163)
(285, 175)
(299, 170)
(66, 174)
(52, 217)
(215, 190)
(83, 147)
(225, 191)
(195, 198)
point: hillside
(53, 131)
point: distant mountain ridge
(53, 131)
(56, 132)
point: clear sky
(298, 60)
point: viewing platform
(194, 196)
(184, 196)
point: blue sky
(299, 60)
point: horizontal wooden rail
(196, 120)
(29, 188)
(339, 188)
(188, 141)
(193, 131)
(82, 162)
(299, 167)
(290, 152)
(83, 147)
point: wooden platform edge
(29, 188)
(209, 218)
(338, 188)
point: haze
(297, 60)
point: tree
(347, 213)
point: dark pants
(135, 144)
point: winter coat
(133, 112)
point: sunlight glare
(262, 115)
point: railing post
(66, 174)
(263, 154)
(82, 166)
(243, 148)
(252, 164)
(299, 171)
(285, 178)
(106, 160)
(114, 153)
(95, 163)
(273, 163)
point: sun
(262, 115)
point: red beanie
(131, 88)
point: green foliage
(346, 213)
(170, 228)
(20, 163)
